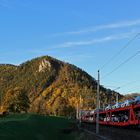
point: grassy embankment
(36, 127)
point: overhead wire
(119, 52)
(124, 85)
(124, 62)
(133, 88)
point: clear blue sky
(82, 32)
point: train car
(123, 116)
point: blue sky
(86, 33)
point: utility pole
(80, 110)
(103, 106)
(97, 103)
(77, 111)
(117, 98)
(109, 96)
(0, 101)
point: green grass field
(35, 127)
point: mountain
(130, 96)
(46, 85)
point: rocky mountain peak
(44, 65)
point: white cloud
(93, 41)
(77, 56)
(102, 27)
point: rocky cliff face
(44, 64)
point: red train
(125, 116)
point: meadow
(36, 127)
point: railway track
(114, 133)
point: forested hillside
(48, 86)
